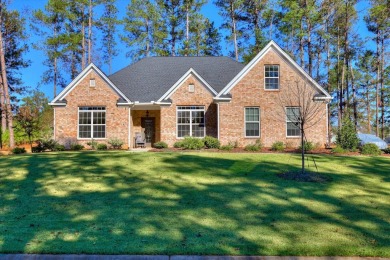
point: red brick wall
(250, 92)
(182, 97)
(83, 95)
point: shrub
(308, 146)
(211, 142)
(76, 147)
(192, 143)
(93, 144)
(387, 151)
(59, 147)
(338, 149)
(227, 147)
(49, 144)
(36, 149)
(347, 137)
(116, 143)
(254, 147)
(18, 150)
(178, 144)
(160, 145)
(370, 149)
(277, 146)
(101, 147)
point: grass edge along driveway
(192, 203)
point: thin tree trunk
(148, 41)
(55, 77)
(90, 33)
(339, 92)
(55, 68)
(382, 89)
(309, 51)
(377, 87)
(6, 93)
(328, 85)
(83, 55)
(368, 101)
(235, 39)
(2, 106)
(187, 30)
(354, 102)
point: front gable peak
(60, 98)
(271, 46)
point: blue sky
(31, 76)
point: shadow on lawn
(185, 204)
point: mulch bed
(306, 176)
(263, 150)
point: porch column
(130, 142)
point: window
(92, 83)
(190, 121)
(252, 122)
(292, 120)
(271, 77)
(191, 88)
(92, 122)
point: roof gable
(270, 46)
(60, 99)
(190, 72)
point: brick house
(168, 98)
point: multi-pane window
(271, 78)
(190, 121)
(252, 122)
(92, 122)
(293, 121)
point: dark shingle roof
(150, 78)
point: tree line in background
(321, 35)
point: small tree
(35, 116)
(347, 136)
(308, 108)
(28, 121)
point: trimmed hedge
(160, 145)
(211, 142)
(370, 149)
(18, 150)
(277, 146)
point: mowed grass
(192, 203)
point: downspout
(129, 130)
(218, 121)
(54, 123)
(328, 138)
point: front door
(148, 124)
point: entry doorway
(148, 123)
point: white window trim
(177, 124)
(78, 124)
(290, 136)
(251, 122)
(271, 89)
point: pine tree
(193, 20)
(12, 47)
(173, 17)
(144, 29)
(232, 13)
(49, 24)
(378, 22)
(108, 25)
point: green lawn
(192, 203)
